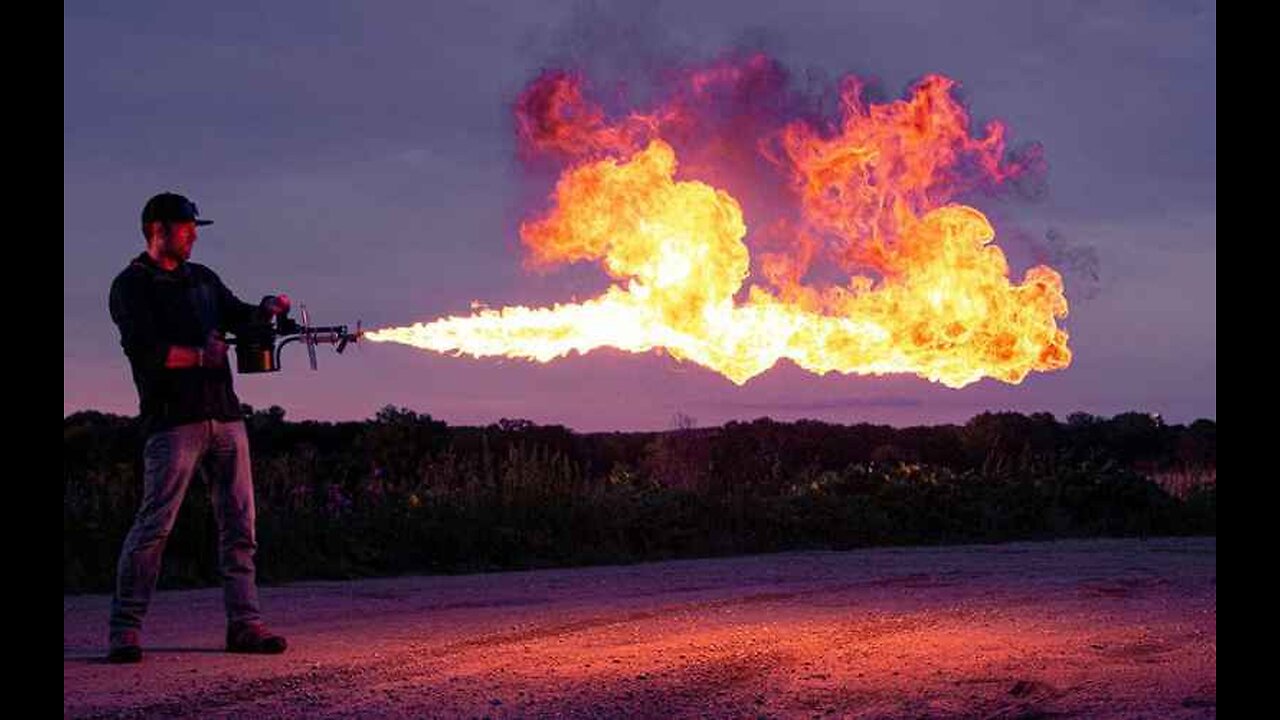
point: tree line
(402, 492)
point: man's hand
(214, 352)
(276, 304)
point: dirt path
(1098, 629)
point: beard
(177, 250)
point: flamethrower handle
(308, 338)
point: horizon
(680, 423)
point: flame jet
(942, 307)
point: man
(171, 314)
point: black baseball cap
(171, 207)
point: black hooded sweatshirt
(155, 309)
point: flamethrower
(258, 344)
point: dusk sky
(362, 157)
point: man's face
(177, 239)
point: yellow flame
(950, 314)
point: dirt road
(1097, 628)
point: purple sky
(361, 157)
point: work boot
(126, 646)
(254, 637)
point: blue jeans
(170, 460)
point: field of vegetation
(405, 493)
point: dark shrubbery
(403, 492)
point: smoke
(1077, 262)
(620, 46)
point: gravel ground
(1081, 628)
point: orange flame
(874, 195)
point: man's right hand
(276, 304)
(214, 352)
